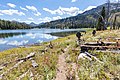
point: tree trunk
(114, 23)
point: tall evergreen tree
(102, 20)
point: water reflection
(6, 35)
(15, 38)
(63, 34)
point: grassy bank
(47, 60)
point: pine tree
(101, 20)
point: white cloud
(72, 11)
(43, 36)
(3, 41)
(114, 1)
(23, 8)
(34, 20)
(11, 5)
(16, 43)
(1, 14)
(89, 8)
(14, 19)
(47, 36)
(46, 19)
(37, 13)
(26, 21)
(39, 41)
(73, 0)
(48, 10)
(11, 12)
(31, 18)
(31, 8)
(56, 18)
(20, 36)
(34, 9)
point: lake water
(15, 38)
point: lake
(15, 38)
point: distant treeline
(13, 25)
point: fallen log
(84, 56)
(108, 38)
(88, 47)
(31, 75)
(19, 62)
(25, 58)
(30, 55)
(16, 65)
(98, 44)
(106, 51)
(117, 38)
(1, 67)
(23, 75)
(34, 64)
(88, 56)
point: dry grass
(46, 70)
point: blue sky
(39, 11)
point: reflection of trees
(6, 35)
(63, 34)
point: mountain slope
(32, 24)
(84, 20)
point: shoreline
(57, 34)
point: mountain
(33, 24)
(84, 20)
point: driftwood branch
(25, 58)
(96, 44)
(111, 51)
(88, 47)
(88, 56)
(23, 75)
(34, 64)
(17, 64)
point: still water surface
(15, 38)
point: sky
(39, 11)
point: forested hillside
(84, 20)
(13, 25)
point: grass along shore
(63, 53)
